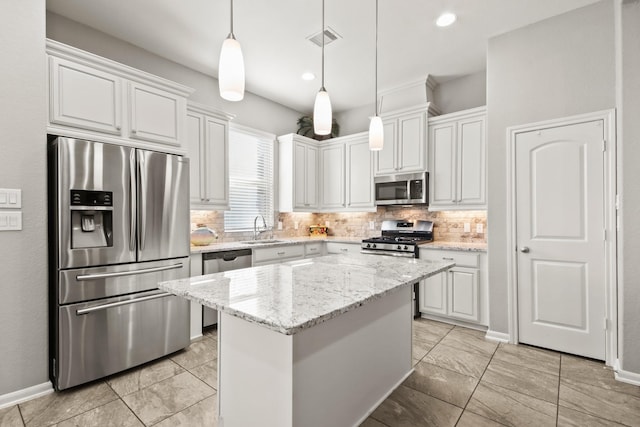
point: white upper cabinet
(334, 175)
(457, 160)
(207, 148)
(359, 174)
(404, 149)
(298, 174)
(98, 99)
(332, 169)
(84, 97)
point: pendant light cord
(231, 17)
(322, 32)
(376, 73)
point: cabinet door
(85, 98)
(442, 155)
(463, 294)
(471, 162)
(155, 115)
(360, 190)
(411, 143)
(311, 177)
(433, 294)
(299, 176)
(332, 172)
(386, 159)
(216, 135)
(195, 136)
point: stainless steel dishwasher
(216, 262)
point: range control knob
(368, 245)
(406, 247)
(399, 247)
(374, 245)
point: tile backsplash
(448, 225)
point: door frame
(610, 215)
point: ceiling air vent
(329, 36)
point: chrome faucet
(259, 230)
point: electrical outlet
(327, 224)
(479, 229)
(467, 227)
(372, 225)
(279, 225)
(295, 225)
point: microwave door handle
(132, 200)
(142, 199)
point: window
(250, 178)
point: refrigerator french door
(118, 225)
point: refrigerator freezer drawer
(84, 284)
(103, 337)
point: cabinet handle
(344, 249)
(133, 131)
(118, 127)
(313, 249)
(280, 253)
(447, 259)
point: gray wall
(555, 68)
(23, 254)
(465, 92)
(253, 111)
(629, 135)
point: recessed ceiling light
(308, 76)
(446, 19)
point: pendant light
(376, 130)
(322, 116)
(231, 67)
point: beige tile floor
(460, 379)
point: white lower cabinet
(460, 293)
(342, 248)
(313, 249)
(276, 255)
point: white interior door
(560, 235)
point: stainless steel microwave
(408, 189)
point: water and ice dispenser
(91, 219)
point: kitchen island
(314, 342)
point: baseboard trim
(25, 394)
(497, 336)
(627, 377)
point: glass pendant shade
(231, 70)
(376, 134)
(322, 113)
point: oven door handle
(127, 273)
(120, 303)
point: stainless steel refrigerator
(118, 225)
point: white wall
(23, 254)
(629, 134)
(555, 68)
(253, 111)
(465, 92)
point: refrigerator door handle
(127, 273)
(132, 200)
(120, 303)
(142, 199)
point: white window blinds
(250, 178)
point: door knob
(524, 249)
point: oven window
(391, 190)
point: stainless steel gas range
(401, 238)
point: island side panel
(345, 367)
(254, 376)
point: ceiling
(274, 33)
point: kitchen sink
(261, 242)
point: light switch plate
(467, 227)
(295, 225)
(327, 224)
(10, 198)
(279, 225)
(479, 228)
(10, 220)
(372, 225)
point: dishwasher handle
(226, 255)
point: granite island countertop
(290, 297)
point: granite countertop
(455, 246)
(293, 296)
(284, 241)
